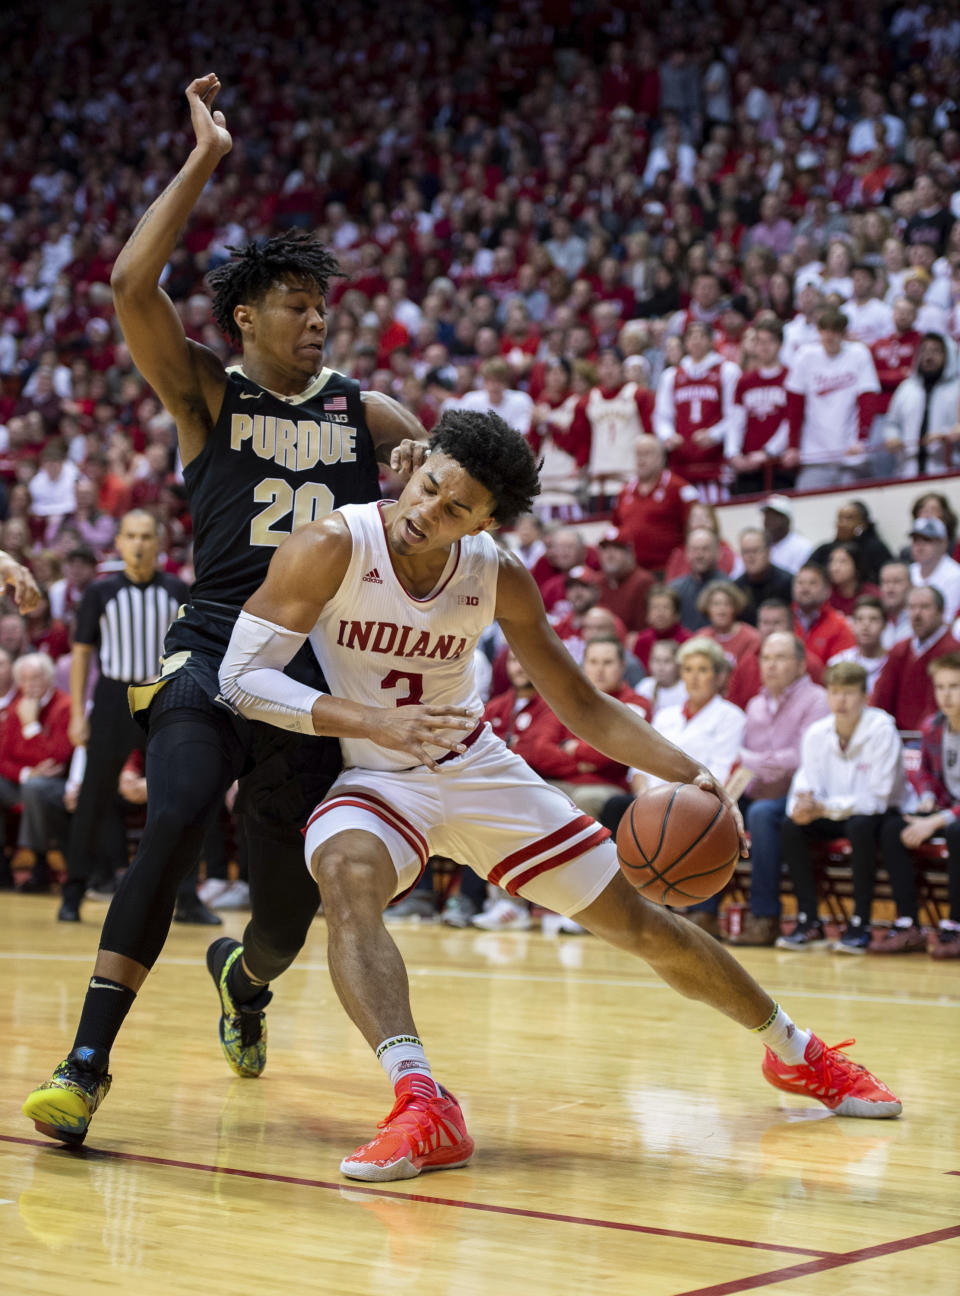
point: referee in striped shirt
(123, 618)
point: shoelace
(250, 1031)
(833, 1057)
(425, 1126)
(87, 1080)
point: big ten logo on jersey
(297, 445)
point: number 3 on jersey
(312, 500)
(413, 682)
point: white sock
(403, 1056)
(787, 1040)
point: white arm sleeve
(252, 678)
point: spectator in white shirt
(833, 376)
(802, 329)
(931, 564)
(868, 622)
(931, 316)
(851, 777)
(706, 727)
(894, 588)
(923, 412)
(514, 407)
(53, 487)
(788, 549)
(876, 128)
(663, 687)
(868, 318)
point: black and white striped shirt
(126, 622)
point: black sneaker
(63, 1108)
(808, 934)
(193, 910)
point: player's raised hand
(19, 581)
(209, 127)
(407, 457)
(414, 729)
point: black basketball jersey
(271, 464)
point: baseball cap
(614, 537)
(779, 504)
(929, 528)
(582, 576)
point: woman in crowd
(722, 603)
(856, 527)
(846, 579)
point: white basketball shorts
(486, 809)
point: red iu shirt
(772, 418)
(893, 357)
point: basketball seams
(697, 840)
(659, 880)
(663, 826)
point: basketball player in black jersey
(266, 446)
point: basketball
(678, 844)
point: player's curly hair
(494, 455)
(256, 267)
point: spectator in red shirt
(764, 437)
(582, 593)
(514, 714)
(823, 629)
(773, 617)
(46, 634)
(904, 687)
(587, 776)
(652, 508)
(702, 515)
(846, 582)
(663, 622)
(565, 550)
(894, 355)
(625, 586)
(35, 750)
(722, 603)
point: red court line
(838, 1261)
(354, 1187)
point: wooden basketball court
(626, 1142)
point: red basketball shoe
(828, 1075)
(419, 1134)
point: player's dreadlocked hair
(254, 269)
(494, 455)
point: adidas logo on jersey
(373, 576)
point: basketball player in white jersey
(393, 597)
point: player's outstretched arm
(599, 719)
(187, 377)
(305, 572)
(399, 438)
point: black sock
(240, 986)
(104, 1010)
(243, 989)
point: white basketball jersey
(615, 424)
(380, 646)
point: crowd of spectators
(690, 251)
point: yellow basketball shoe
(243, 1027)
